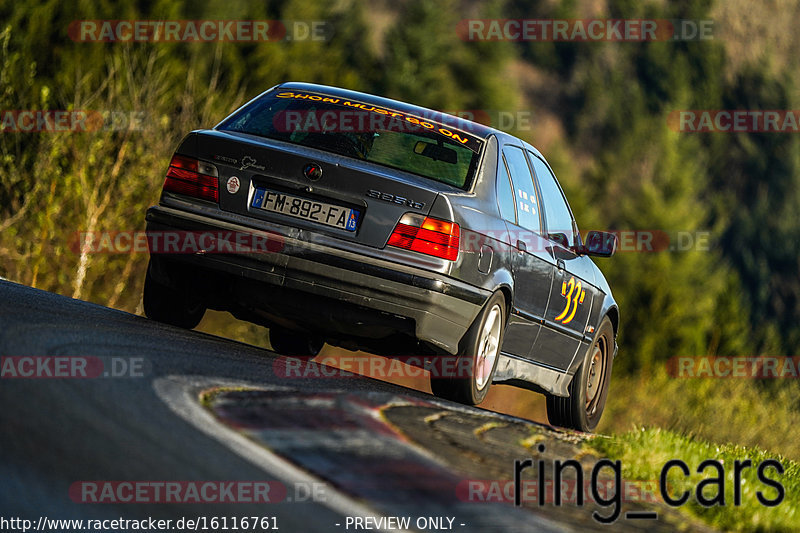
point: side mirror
(600, 244)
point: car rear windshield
(362, 131)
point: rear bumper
(298, 271)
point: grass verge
(763, 414)
(644, 452)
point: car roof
(475, 128)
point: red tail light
(193, 178)
(426, 235)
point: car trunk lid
(266, 179)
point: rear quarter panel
(484, 257)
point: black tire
(478, 353)
(589, 388)
(287, 342)
(170, 306)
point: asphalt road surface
(187, 427)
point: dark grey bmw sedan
(329, 215)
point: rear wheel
(170, 306)
(287, 342)
(478, 354)
(589, 388)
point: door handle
(521, 246)
(560, 263)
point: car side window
(505, 192)
(525, 198)
(557, 215)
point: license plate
(296, 206)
